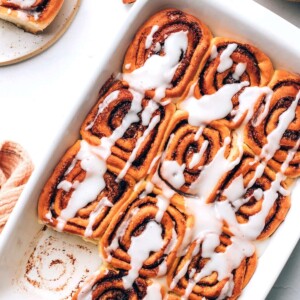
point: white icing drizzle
(24, 4)
(106, 102)
(87, 190)
(158, 71)
(139, 142)
(174, 172)
(214, 52)
(225, 60)
(104, 202)
(140, 248)
(153, 292)
(149, 38)
(239, 70)
(87, 288)
(127, 66)
(274, 137)
(153, 163)
(22, 15)
(197, 156)
(148, 112)
(211, 107)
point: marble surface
(36, 98)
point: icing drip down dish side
(31, 15)
(187, 158)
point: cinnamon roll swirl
(145, 236)
(132, 126)
(246, 190)
(209, 271)
(227, 68)
(166, 51)
(274, 133)
(82, 194)
(31, 15)
(191, 151)
(108, 284)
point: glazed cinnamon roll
(273, 130)
(248, 191)
(31, 15)
(166, 53)
(213, 268)
(191, 151)
(109, 284)
(82, 194)
(145, 236)
(227, 69)
(130, 126)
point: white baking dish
(22, 238)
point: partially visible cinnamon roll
(145, 236)
(31, 15)
(130, 127)
(209, 270)
(166, 53)
(273, 130)
(109, 284)
(82, 195)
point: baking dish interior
(267, 31)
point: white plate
(17, 45)
(269, 32)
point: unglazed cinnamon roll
(145, 236)
(31, 15)
(227, 69)
(191, 151)
(131, 128)
(213, 268)
(82, 194)
(274, 128)
(166, 53)
(247, 190)
(109, 284)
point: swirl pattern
(146, 210)
(230, 61)
(286, 92)
(245, 188)
(108, 284)
(110, 113)
(168, 22)
(190, 150)
(90, 219)
(186, 269)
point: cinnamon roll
(145, 236)
(227, 69)
(82, 194)
(31, 15)
(247, 190)
(213, 267)
(273, 130)
(191, 152)
(131, 127)
(109, 284)
(166, 52)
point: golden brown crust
(285, 86)
(53, 200)
(170, 21)
(34, 19)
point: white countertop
(36, 95)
